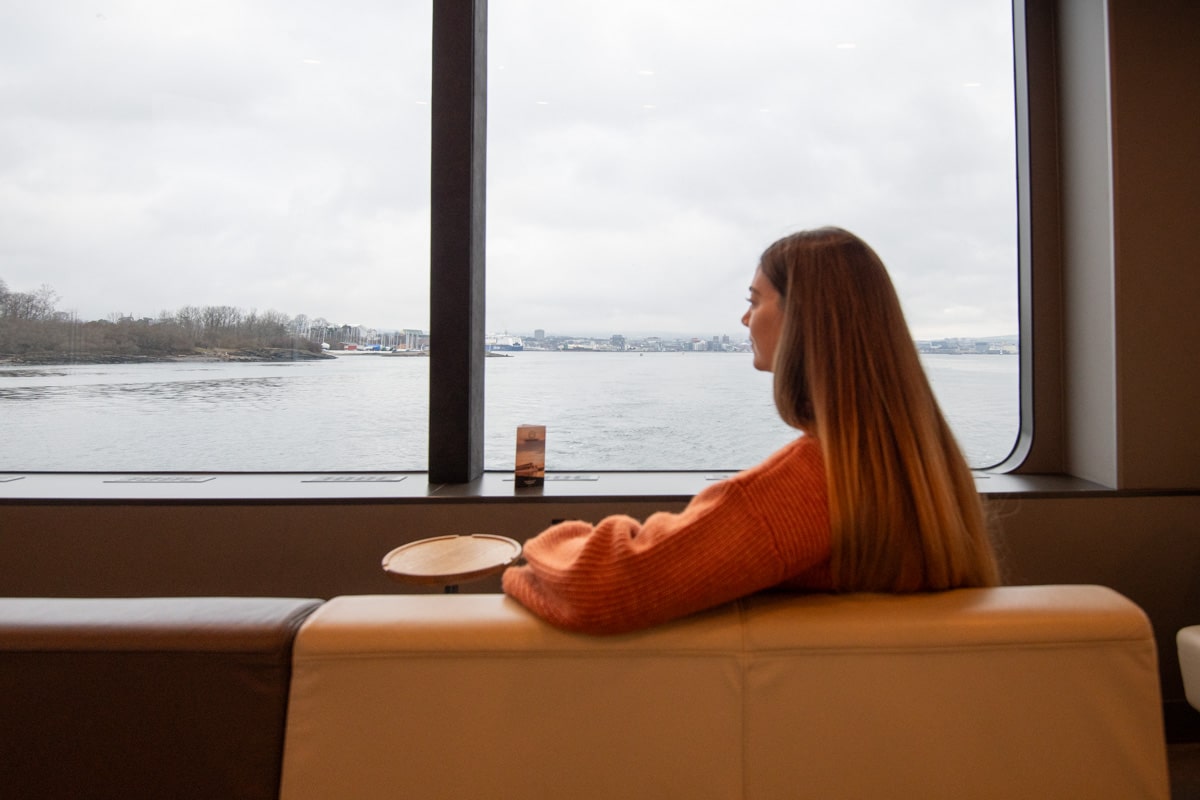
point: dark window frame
(458, 214)
(457, 294)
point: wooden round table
(450, 560)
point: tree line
(32, 327)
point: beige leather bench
(1015, 692)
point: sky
(271, 155)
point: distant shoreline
(275, 354)
(255, 354)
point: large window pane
(642, 155)
(248, 178)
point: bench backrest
(1047, 691)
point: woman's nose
(746, 318)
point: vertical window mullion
(457, 287)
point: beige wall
(1155, 68)
(1129, 160)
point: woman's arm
(735, 538)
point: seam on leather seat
(493, 655)
(816, 650)
(743, 660)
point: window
(236, 177)
(225, 171)
(641, 155)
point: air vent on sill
(163, 479)
(567, 478)
(356, 479)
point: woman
(874, 496)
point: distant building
(414, 339)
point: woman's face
(764, 318)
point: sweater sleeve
(740, 536)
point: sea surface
(603, 411)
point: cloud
(276, 156)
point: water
(603, 411)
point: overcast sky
(274, 156)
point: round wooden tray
(450, 560)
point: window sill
(413, 487)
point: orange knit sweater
(765, 527)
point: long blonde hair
(903, 506)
